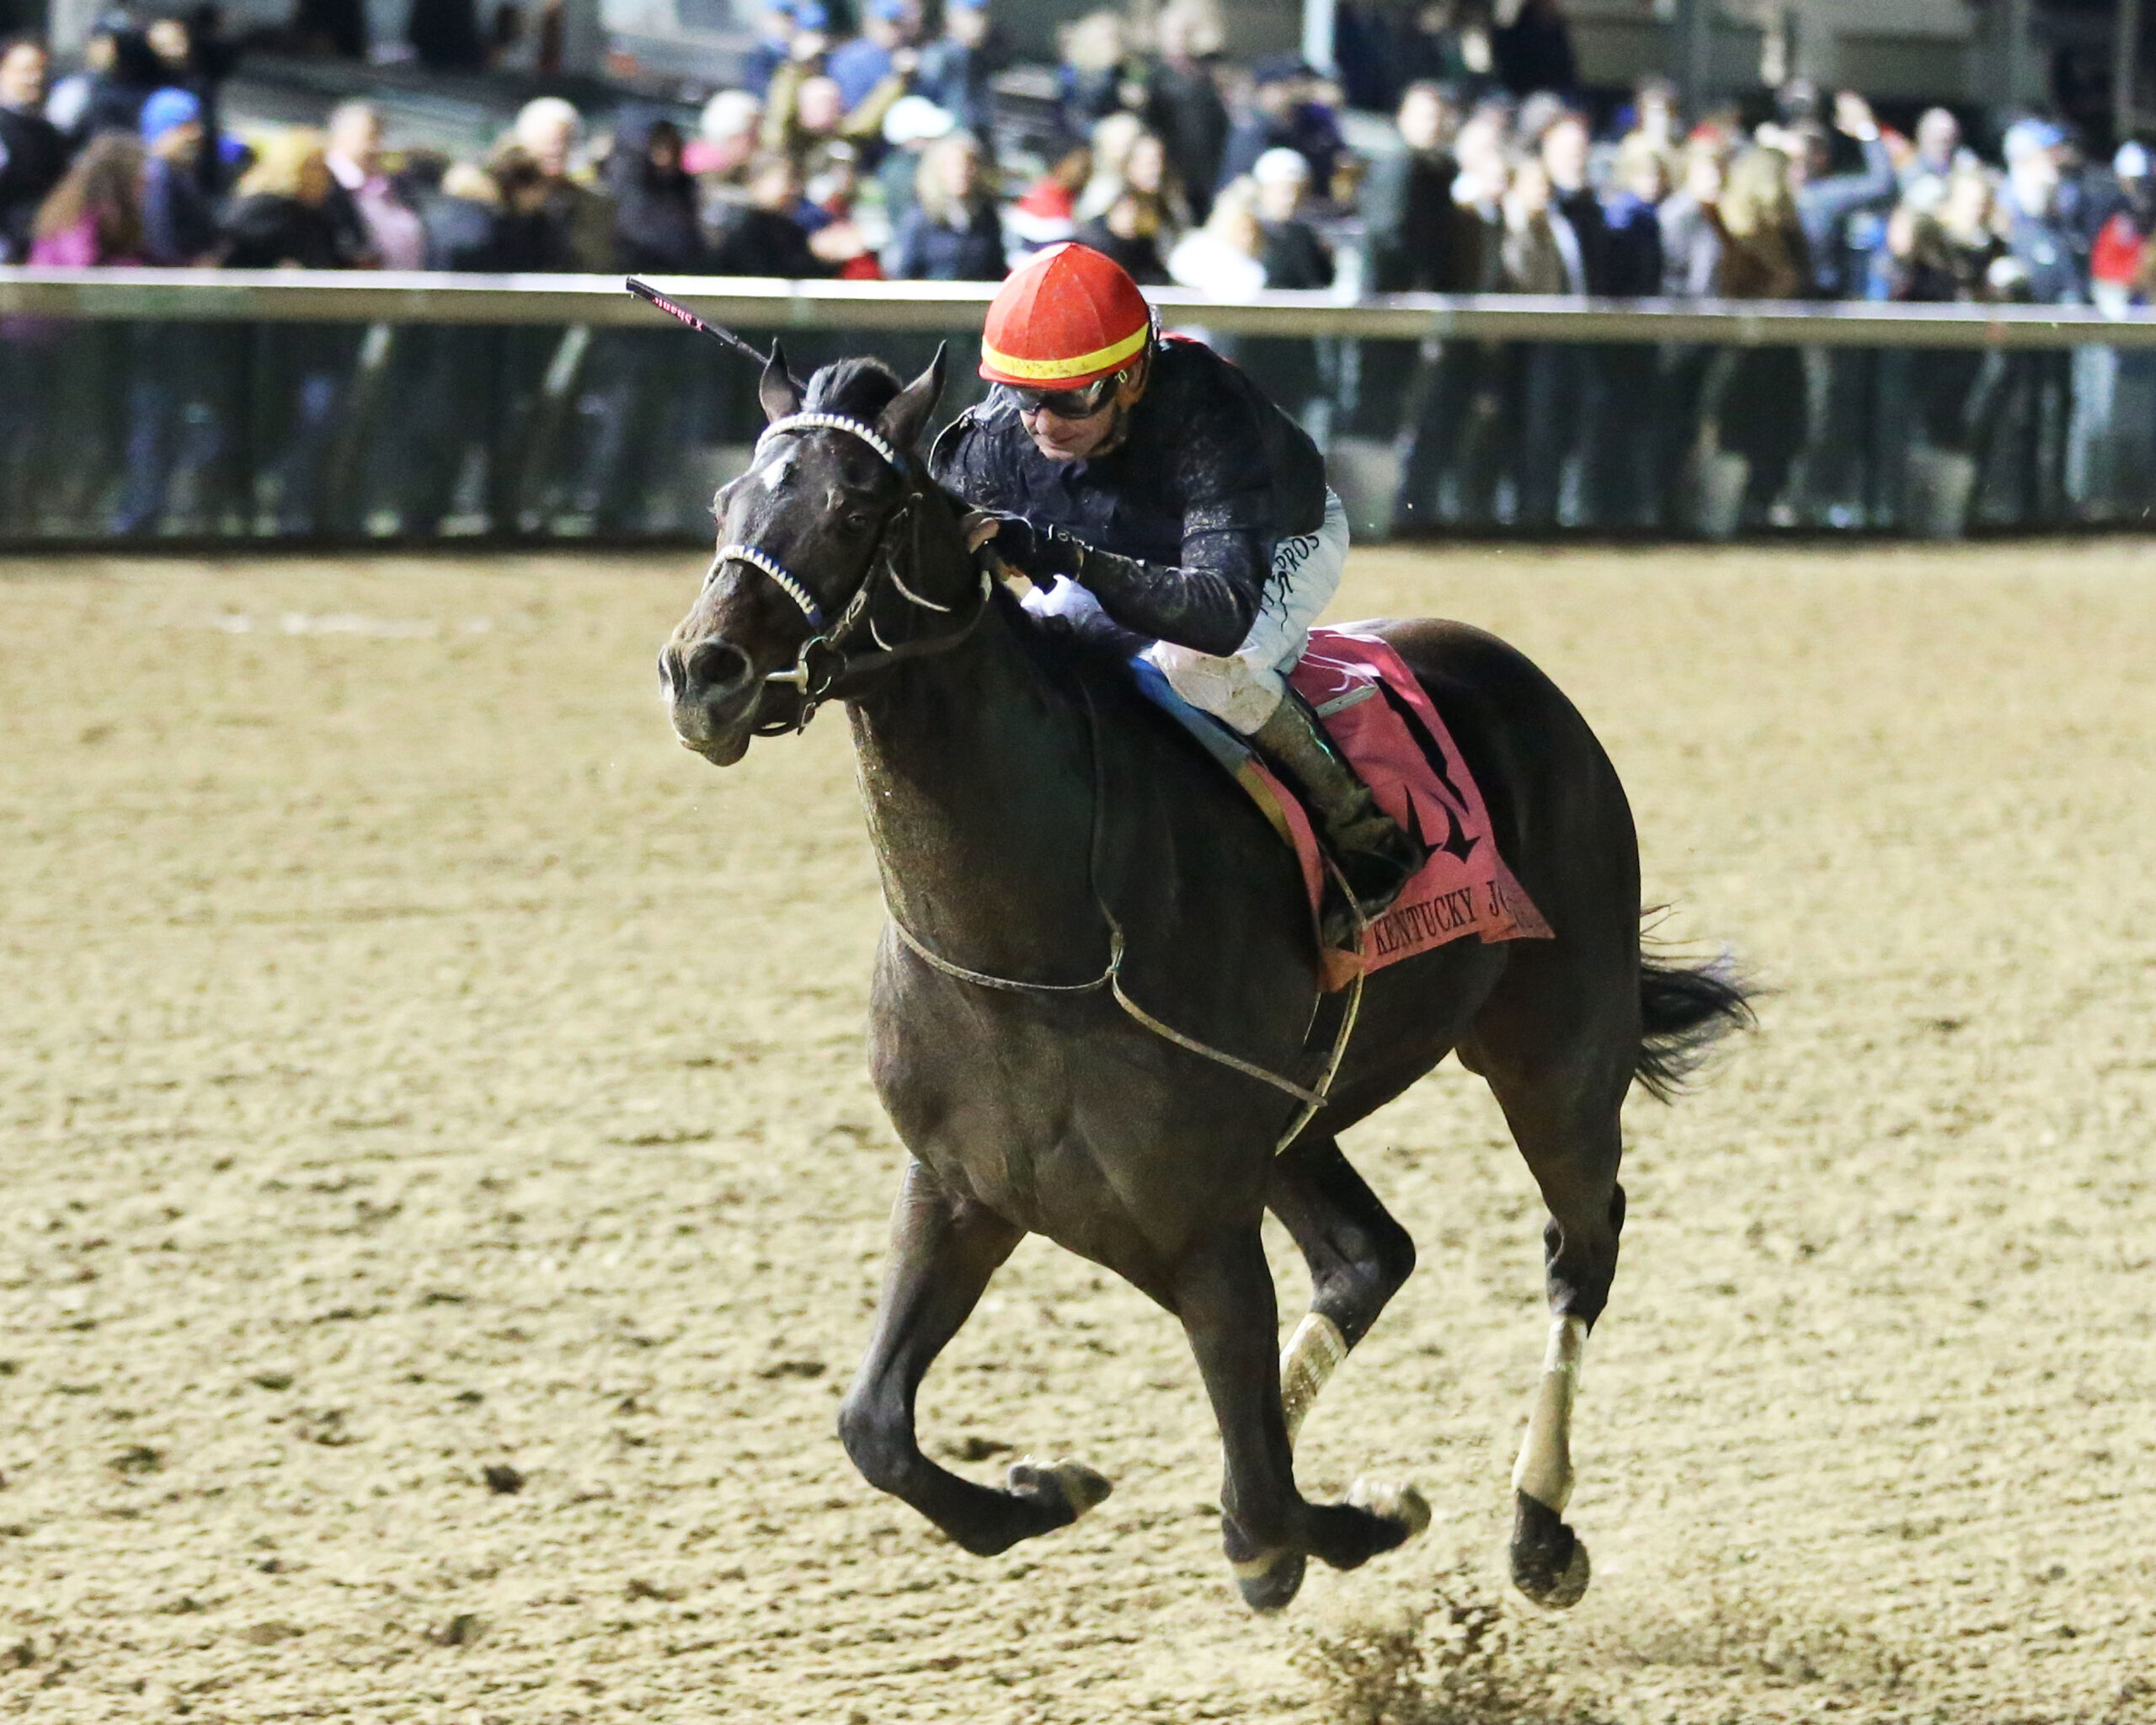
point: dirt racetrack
(413, 1064)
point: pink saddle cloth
(1381, 720)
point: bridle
(823, 662)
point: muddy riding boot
(1375, 855)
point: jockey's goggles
(1069, 404)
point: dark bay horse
(1088, 914)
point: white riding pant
(1243, 688)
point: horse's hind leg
(944, 1248)
(1359, 1256)
(1223, 1293)
(1560, 1093)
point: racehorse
(1097, 1011)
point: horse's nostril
(716, 667)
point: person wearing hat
(883, 47)
(179, 220)
(775, 32)
(2119, 266)
(1149, 479)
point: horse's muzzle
(712, 686)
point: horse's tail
(1684, 1010)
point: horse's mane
(859, 389)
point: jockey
(1147, 477)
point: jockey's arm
(1207, 602)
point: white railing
(296, 297)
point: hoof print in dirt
(1071, 1484)
(1549, 1560)
(1270, 1584)
(501, 1479)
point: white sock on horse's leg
(1544, 1468)
(1310, 1357)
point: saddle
(1383, 725)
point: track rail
(359, 297)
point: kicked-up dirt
(443, 1195)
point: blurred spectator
(1135, 212)
(883, 50)
(2119, 266)
(1566, 144)
(1936, 154)
(1691, 226)
(1224, 258)
(1833, 208)
(762, 237)
(1416, 239)
(33, 155)
(1046, 215)
(391, 235)
(775, 26)
(1097, 77)
(656, 230)
(1756, 402)
(463, 216)
(911, 127)
(2045, 264)
(1534, 51)
(1650, 116)
(725, 141)
(579, 218)
(119, 70)
(1532, 257)
(1632, 266)
(956, 67)
(952, 234)
(1295, 256)
(280, 217)
(179, 221)
(1287, 110)
(1183, 102)
(1764, 250)
(806, 116)
(94, 215)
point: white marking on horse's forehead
(775, 474)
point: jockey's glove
(1038, 551)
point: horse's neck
(977, 782)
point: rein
(823, 663)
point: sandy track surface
(412, 1064)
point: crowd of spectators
(891, 145)
(879, 152)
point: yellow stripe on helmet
(1058, 370)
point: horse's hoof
(1271, 1582)
(1072, 1484)
(1401, 1504)
(1549, 1560)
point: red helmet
(1062, 320)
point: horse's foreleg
(1223, 1295)
(1359, 1256)
(944, 1248)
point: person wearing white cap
(2119, 264)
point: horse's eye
(856, 522)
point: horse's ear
(779, 393)
(907, 416)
